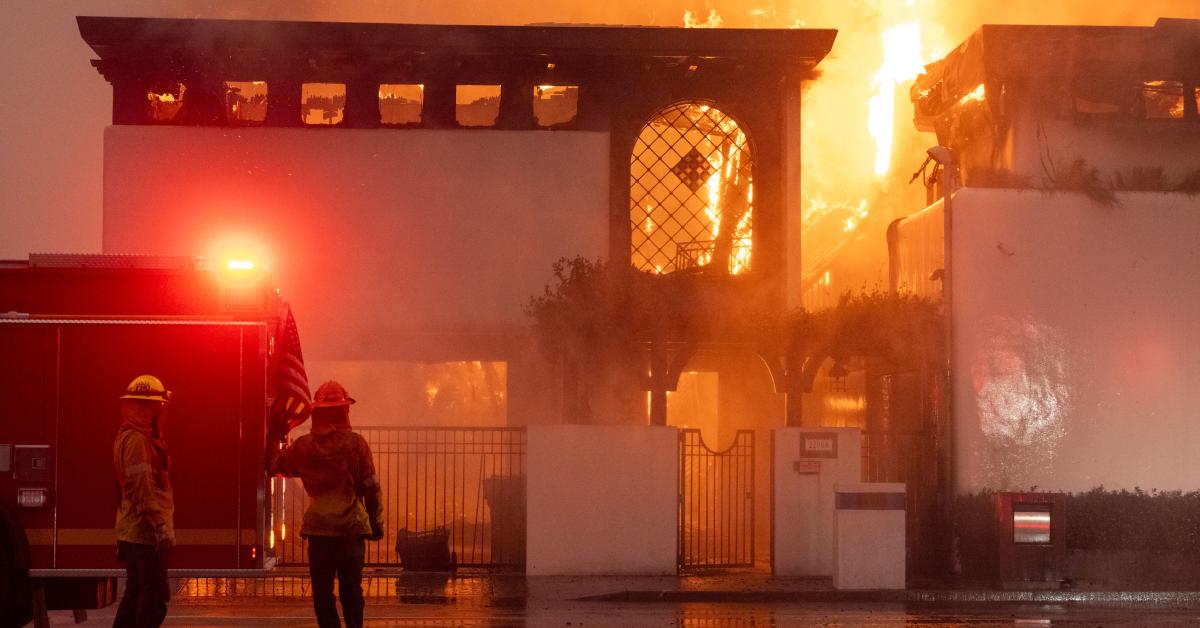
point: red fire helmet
(331, 394)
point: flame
(859, 213)
(976, 94)
(713, 21)
(163, 98)
(901, 62)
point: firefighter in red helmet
(146, 514)
(338, 473)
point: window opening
(322, 103)
(246, 102)
(691, 192)
(1162, 99)
(476, 105)
(164, 101)
(401, 103)
(555, 105)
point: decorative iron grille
(691, 192)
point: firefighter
(145, 517)
(338, 473)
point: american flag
(292, 399)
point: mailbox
(1031, 538)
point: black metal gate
(716, 502)
(466, 485)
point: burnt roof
(1002, 52)
(116, 39)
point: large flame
(902, 62)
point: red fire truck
(74, 330)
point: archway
(691, 194)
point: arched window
(691, 192)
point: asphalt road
(297, 613)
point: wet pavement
(297, 613)
(709, 601)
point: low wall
(602, 500)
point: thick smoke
(54, 106)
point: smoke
(54, 106)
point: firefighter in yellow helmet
(145, 516)
(338, 473)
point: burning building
(1064, 252)
(411, 186)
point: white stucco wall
(379, 238)
(1076, 328)
(1043, 147)
(918, 251)
(602, 500)
(804, 501)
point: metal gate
(464, 484)
(716, 502)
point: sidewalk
(489, 590)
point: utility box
(868, 536)
(1031, 538)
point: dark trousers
(334, 555)
(146, 590)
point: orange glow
(271, 539)
(240, 264)
(901, 62)
(976, 94)
(282, 531)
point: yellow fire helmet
(147, 387)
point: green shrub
(1099, 519)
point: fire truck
(74, 330)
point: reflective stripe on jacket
(141, 465)
(337, 470)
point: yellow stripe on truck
(107, 536)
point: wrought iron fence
(462, 489)
(716, 502)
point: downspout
(945, 158)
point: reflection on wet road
(574, 614)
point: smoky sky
(54, 106)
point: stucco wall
(1042, 148)
(804, 499)
(602, 500)
(379, 238)
(1076, 329)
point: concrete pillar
(807, 463)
